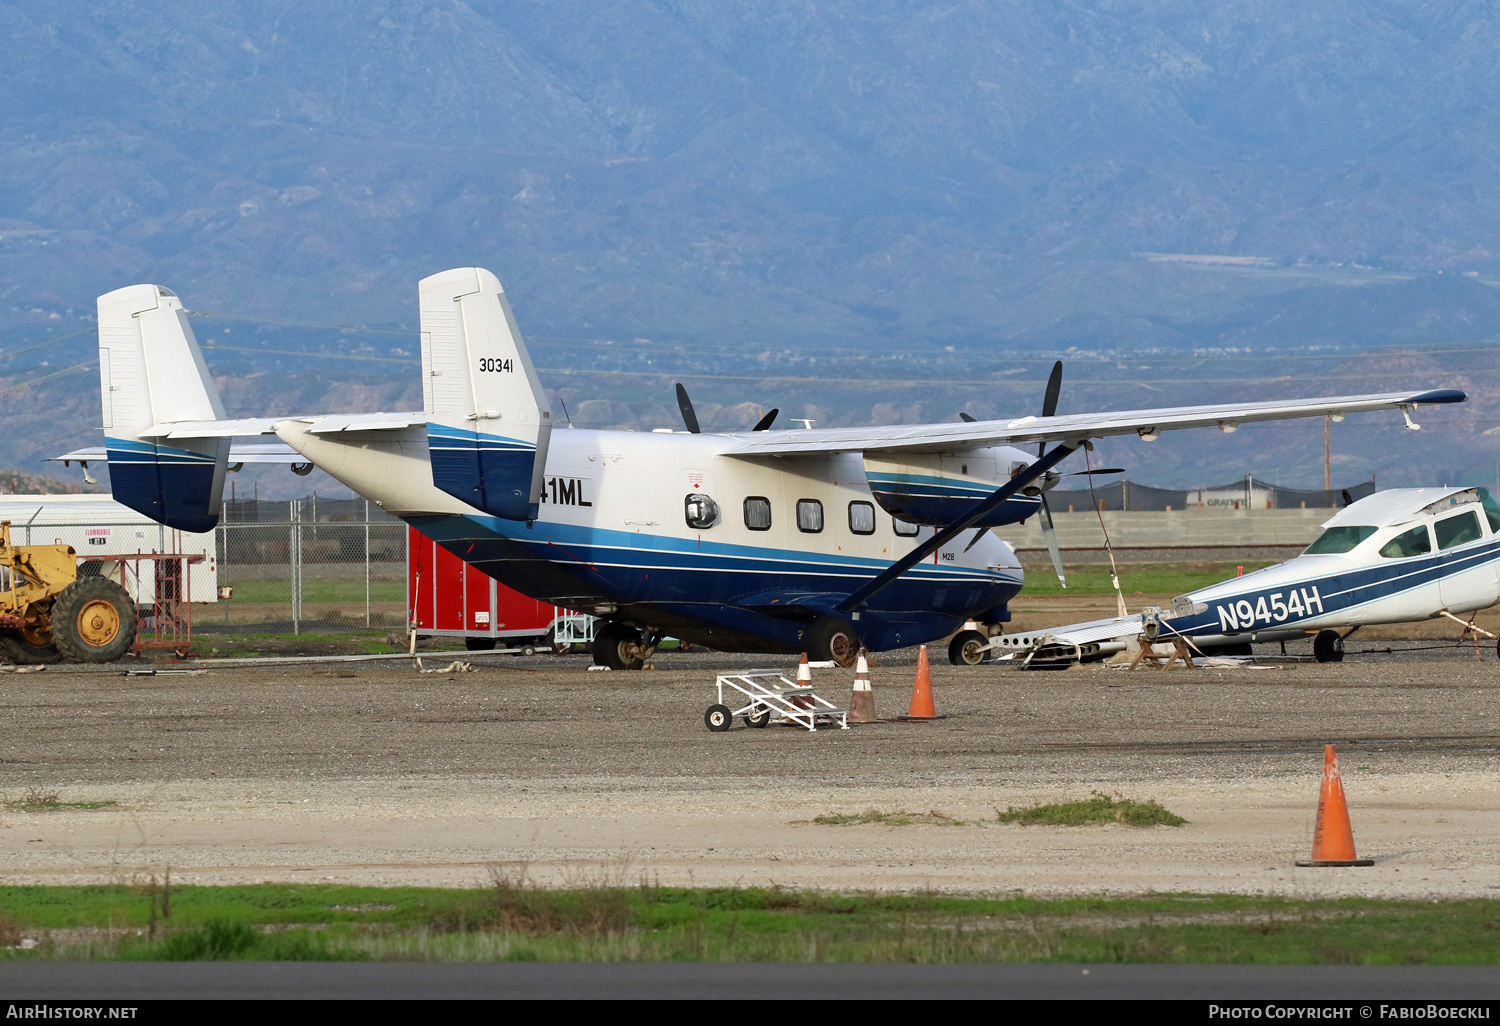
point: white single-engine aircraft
(760, 541)
(1398, 556)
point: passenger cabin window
(904, 529)
(1338, 539)
(809, 516)
(758, 513)
(700, 511)
(1457, 530)
(1415, 542)
(861, 518)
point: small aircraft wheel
(718, 718)
(1328, 647)
(479, 644)
(968, 648)
(758, 718)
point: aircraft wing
(1116, 628)
(322, 424)
(930, 438)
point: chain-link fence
(306, 566)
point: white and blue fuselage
(623, 529)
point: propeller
(686, 406)
(690, 416)
(1044, 513)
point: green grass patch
(512, 920)
(1135, 578)
(1097, 808)
(875, 816)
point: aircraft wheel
(968, 648)
(832, 638)
(718, 718)
(758, 718)
(1328, 647)
(618, 647)
(479, 644)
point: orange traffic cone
(1333, 838)
(862, 701)
(804, 680)
(921, 691)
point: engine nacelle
(938, 488)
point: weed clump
(37, 799)
(900, 818)
(1097, 808)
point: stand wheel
(1328, 647)
(758, 718)
(718, 718)
(527, 650)
(968, 648)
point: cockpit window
(1338, 539)
(1415, 542)
(1457, 530)
(1491, 509)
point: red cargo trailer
(446, 597)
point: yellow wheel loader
(48, 613)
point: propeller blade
(686, 406)
(1049, 399)
(1054, 388)
(975, 540)
(1348, 499)
(1050, 533)
(765, 422)
(967, 418)
(1097, 470)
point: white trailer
(97, 525)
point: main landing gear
(622, 647)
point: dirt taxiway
(381, 774)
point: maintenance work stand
(768, 694)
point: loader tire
(23, 653)
(93, 621)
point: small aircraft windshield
(1415, 542)
(1338, 539)
(1491, 509)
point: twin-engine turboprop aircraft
(763, 541)
(1398, 556)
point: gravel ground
(376, 773)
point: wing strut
(976, 513)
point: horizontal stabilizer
(243, 452)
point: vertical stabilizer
(150, 373)
(488, 422)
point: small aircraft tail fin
(488, 421)
(151, 372)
